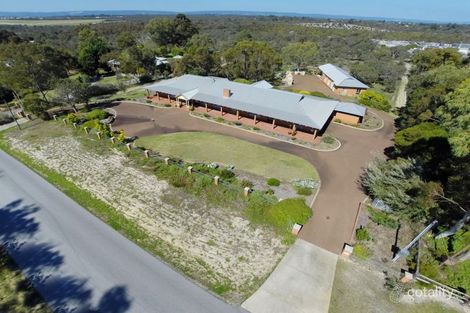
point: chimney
(227, 93)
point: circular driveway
(334, 210)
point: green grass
(16, 293)
(51, 22)
(246, 156)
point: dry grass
(357, 289)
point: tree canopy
(253, 60)
(165, 31)
(299, 55)
(90, 49)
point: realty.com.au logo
(412, 294)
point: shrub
(256, 128)
(145, 79)
(96, 114)
(72, 118)
(309, 183)
(120, 136)
(460, 240)
(243, 81)
(246, 183)
(304, 191)
(374, 99)
(458, 276)
(206, 115)
(288, 212)
(238, 124)
(269, 191)
(328, 139)
(362, 234)
(100, 90)
(273, 182)
(220, 119)
(382, 218)
(258, 204)
(362, 252)
(225, 174)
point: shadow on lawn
(41, 263)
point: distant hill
(72, 14)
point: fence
(451, 292)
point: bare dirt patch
(358, 288)
(215, 243)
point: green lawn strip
(246, 156)
(16, 293)
(125, 226)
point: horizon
(434, 11)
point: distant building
(340, 81)
(464, 49)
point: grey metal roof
(278, 104)
(262, 84)
(340, 77)
(351, 108)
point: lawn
(245, 156)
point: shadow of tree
(41, 263)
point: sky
(432, 10)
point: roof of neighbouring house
(262, 84)
(278, 104)
(340, 77)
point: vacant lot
(246, 156)
(215, 245)
(357, 289)
(52, 22)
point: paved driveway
(336, 205)
(301, 283)
(78, 263)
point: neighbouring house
(340, 81)
(464, 49)
(258, 102)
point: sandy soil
(217, 239)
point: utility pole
(12, 115)
(406, 250)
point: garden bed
(326, 143)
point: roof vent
(227, 93)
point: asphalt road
(80, 264)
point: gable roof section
(182, 84)
(277, 104)
(340, 77)
(262, 84)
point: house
(340, 81)
(258, 102)
(464, 49)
